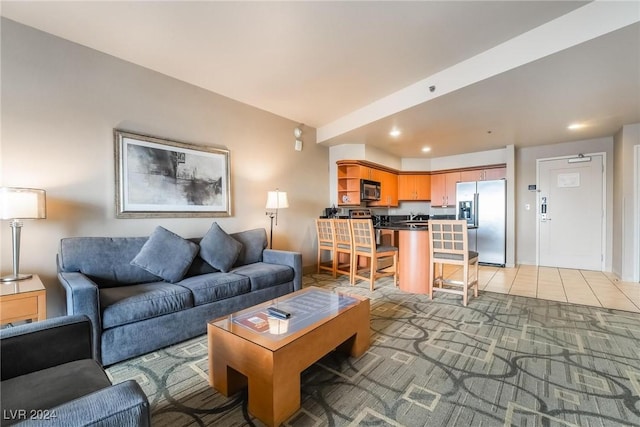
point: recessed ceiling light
(395, 132)
(575, 126)
(426, 149)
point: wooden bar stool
(344, 247)
(449, 244)
(364, 243)
(326, 243)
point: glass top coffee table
(267, 354)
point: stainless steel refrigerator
(484, 205)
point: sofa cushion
(216, 286)
(263, 275)
(253, 243)
(166, 255)
(104, 260)
(48, 388)
(128, 304)
(198, 267)
(219, 249)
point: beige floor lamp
(275, 200)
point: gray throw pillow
(166, 255)
(219, 249)
(253, 242)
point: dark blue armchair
(49, 376)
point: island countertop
(412, 227)
(397, 226)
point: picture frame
(162, 178)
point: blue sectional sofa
(134, 311)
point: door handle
(476, 200)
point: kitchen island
(413, 255)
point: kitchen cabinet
(350, 172)
(348, 183)
(388, 189)
(443, 189)
(483, 174)
(395, 186)
(388, 237)
(372, 174)
(414, 187)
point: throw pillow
(253, 244)
(219, 249)
(166, 255)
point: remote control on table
(275, 312)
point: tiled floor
(585, 287)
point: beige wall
(525, 171)
(60, 104)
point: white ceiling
(347, 67)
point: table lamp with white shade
(17, 204)
(275, 200)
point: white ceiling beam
(586, 23)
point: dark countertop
(400, 226)
(414, 227)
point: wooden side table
(23, 300)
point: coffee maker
(331, 212)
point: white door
(571, 213)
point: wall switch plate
(298, 145)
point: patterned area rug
(501, 361)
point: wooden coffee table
(251, 348)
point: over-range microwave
(369, 190)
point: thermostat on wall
(532, 187)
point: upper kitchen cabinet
(486, 174)
(348, 183)
(350, 172)
(443, 188)
(388, 189)
(370, 173)
(414, 187)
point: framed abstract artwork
(158, 177)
